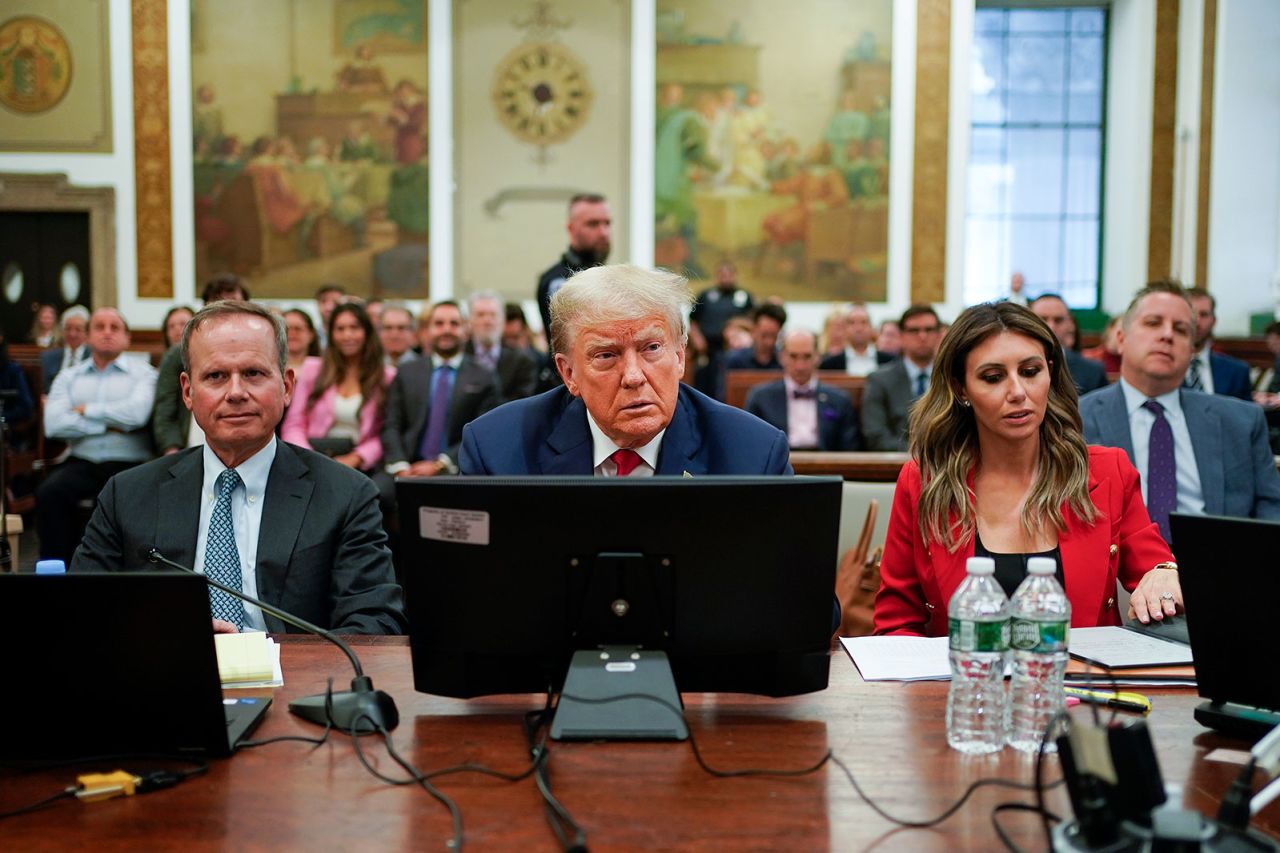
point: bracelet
(1170, 565)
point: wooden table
(627, 796)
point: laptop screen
(112, 663)
(1230, 574)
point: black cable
(558, 816)
(1000, 830)
(67, 793)
(317, 741)
(1045, 815)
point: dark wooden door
(42, 250)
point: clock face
(541, 93)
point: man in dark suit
(859, 357)
(516, 370)
(619, 335)
(767, 322)
(1195, 452)
(890, 391)
(429, 402)
(814, 416)
(75, 331)
(287, 525)
(1209, 371)
(1087, 374)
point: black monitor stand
(619, 693)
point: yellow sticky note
(243, 657)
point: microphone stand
(362, 710)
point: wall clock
(541, 93)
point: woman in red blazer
(1000, 468)
(341, 394)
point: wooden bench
(738, 384)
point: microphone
(361, 710)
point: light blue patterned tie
(221, 557)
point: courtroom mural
(310, 144)
(780, 166)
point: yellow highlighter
(1135, 702)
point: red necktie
(626, 460)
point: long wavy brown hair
(368, 363)
(944, 435)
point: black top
(1011, 569)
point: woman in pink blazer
(1000, 468)
(342, 393)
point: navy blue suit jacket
(1087, 374)
(1233, 457)
(837, 418)
(1230, 376)
(548, 434)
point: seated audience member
(281, 523)
(328, 297)
(619, 335)
(1196, 452)
(858, 356)
(999, 468)
(74, 324)
(174, 322)
(338, 402)
(430, 401)
(515, 330)
(395, 330)
(833, 336)
(889, 338)
(374, 308)
(768, 320)
(891, 390)
(304, 343)
(44, 327)
(813, 415)
(171, 424)
(100, 408)
(737, 334)
(1087, 374)
(1267, 386)
(18, 406)
(517, 372)
(1209, 371)
(1108, 350)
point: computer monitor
(731, 578)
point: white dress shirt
(246, 519)
(914, 370)
(1190, 498)
(117, 404)
(802, 414)
(602, 447)
(861, 365)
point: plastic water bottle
(1039, 618)
(979, 630)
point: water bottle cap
(1041, 566)
(51, 567)
(981, 566)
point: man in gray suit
(284, 524)
(1196, 452)
(429, 402)
(890, 391)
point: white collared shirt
(1206, 371)
(802, 415)
(602, 447)
(246, 518)
(861, 365)
(1190, 497)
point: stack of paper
(1141, 659)
(250, 659)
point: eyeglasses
(920, 330)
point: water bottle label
(970, 636)
(1029, 635)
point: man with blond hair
(618, 334)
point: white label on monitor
(469, 527)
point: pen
(1120, 701)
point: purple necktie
(438, 415)
(1162, 471)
